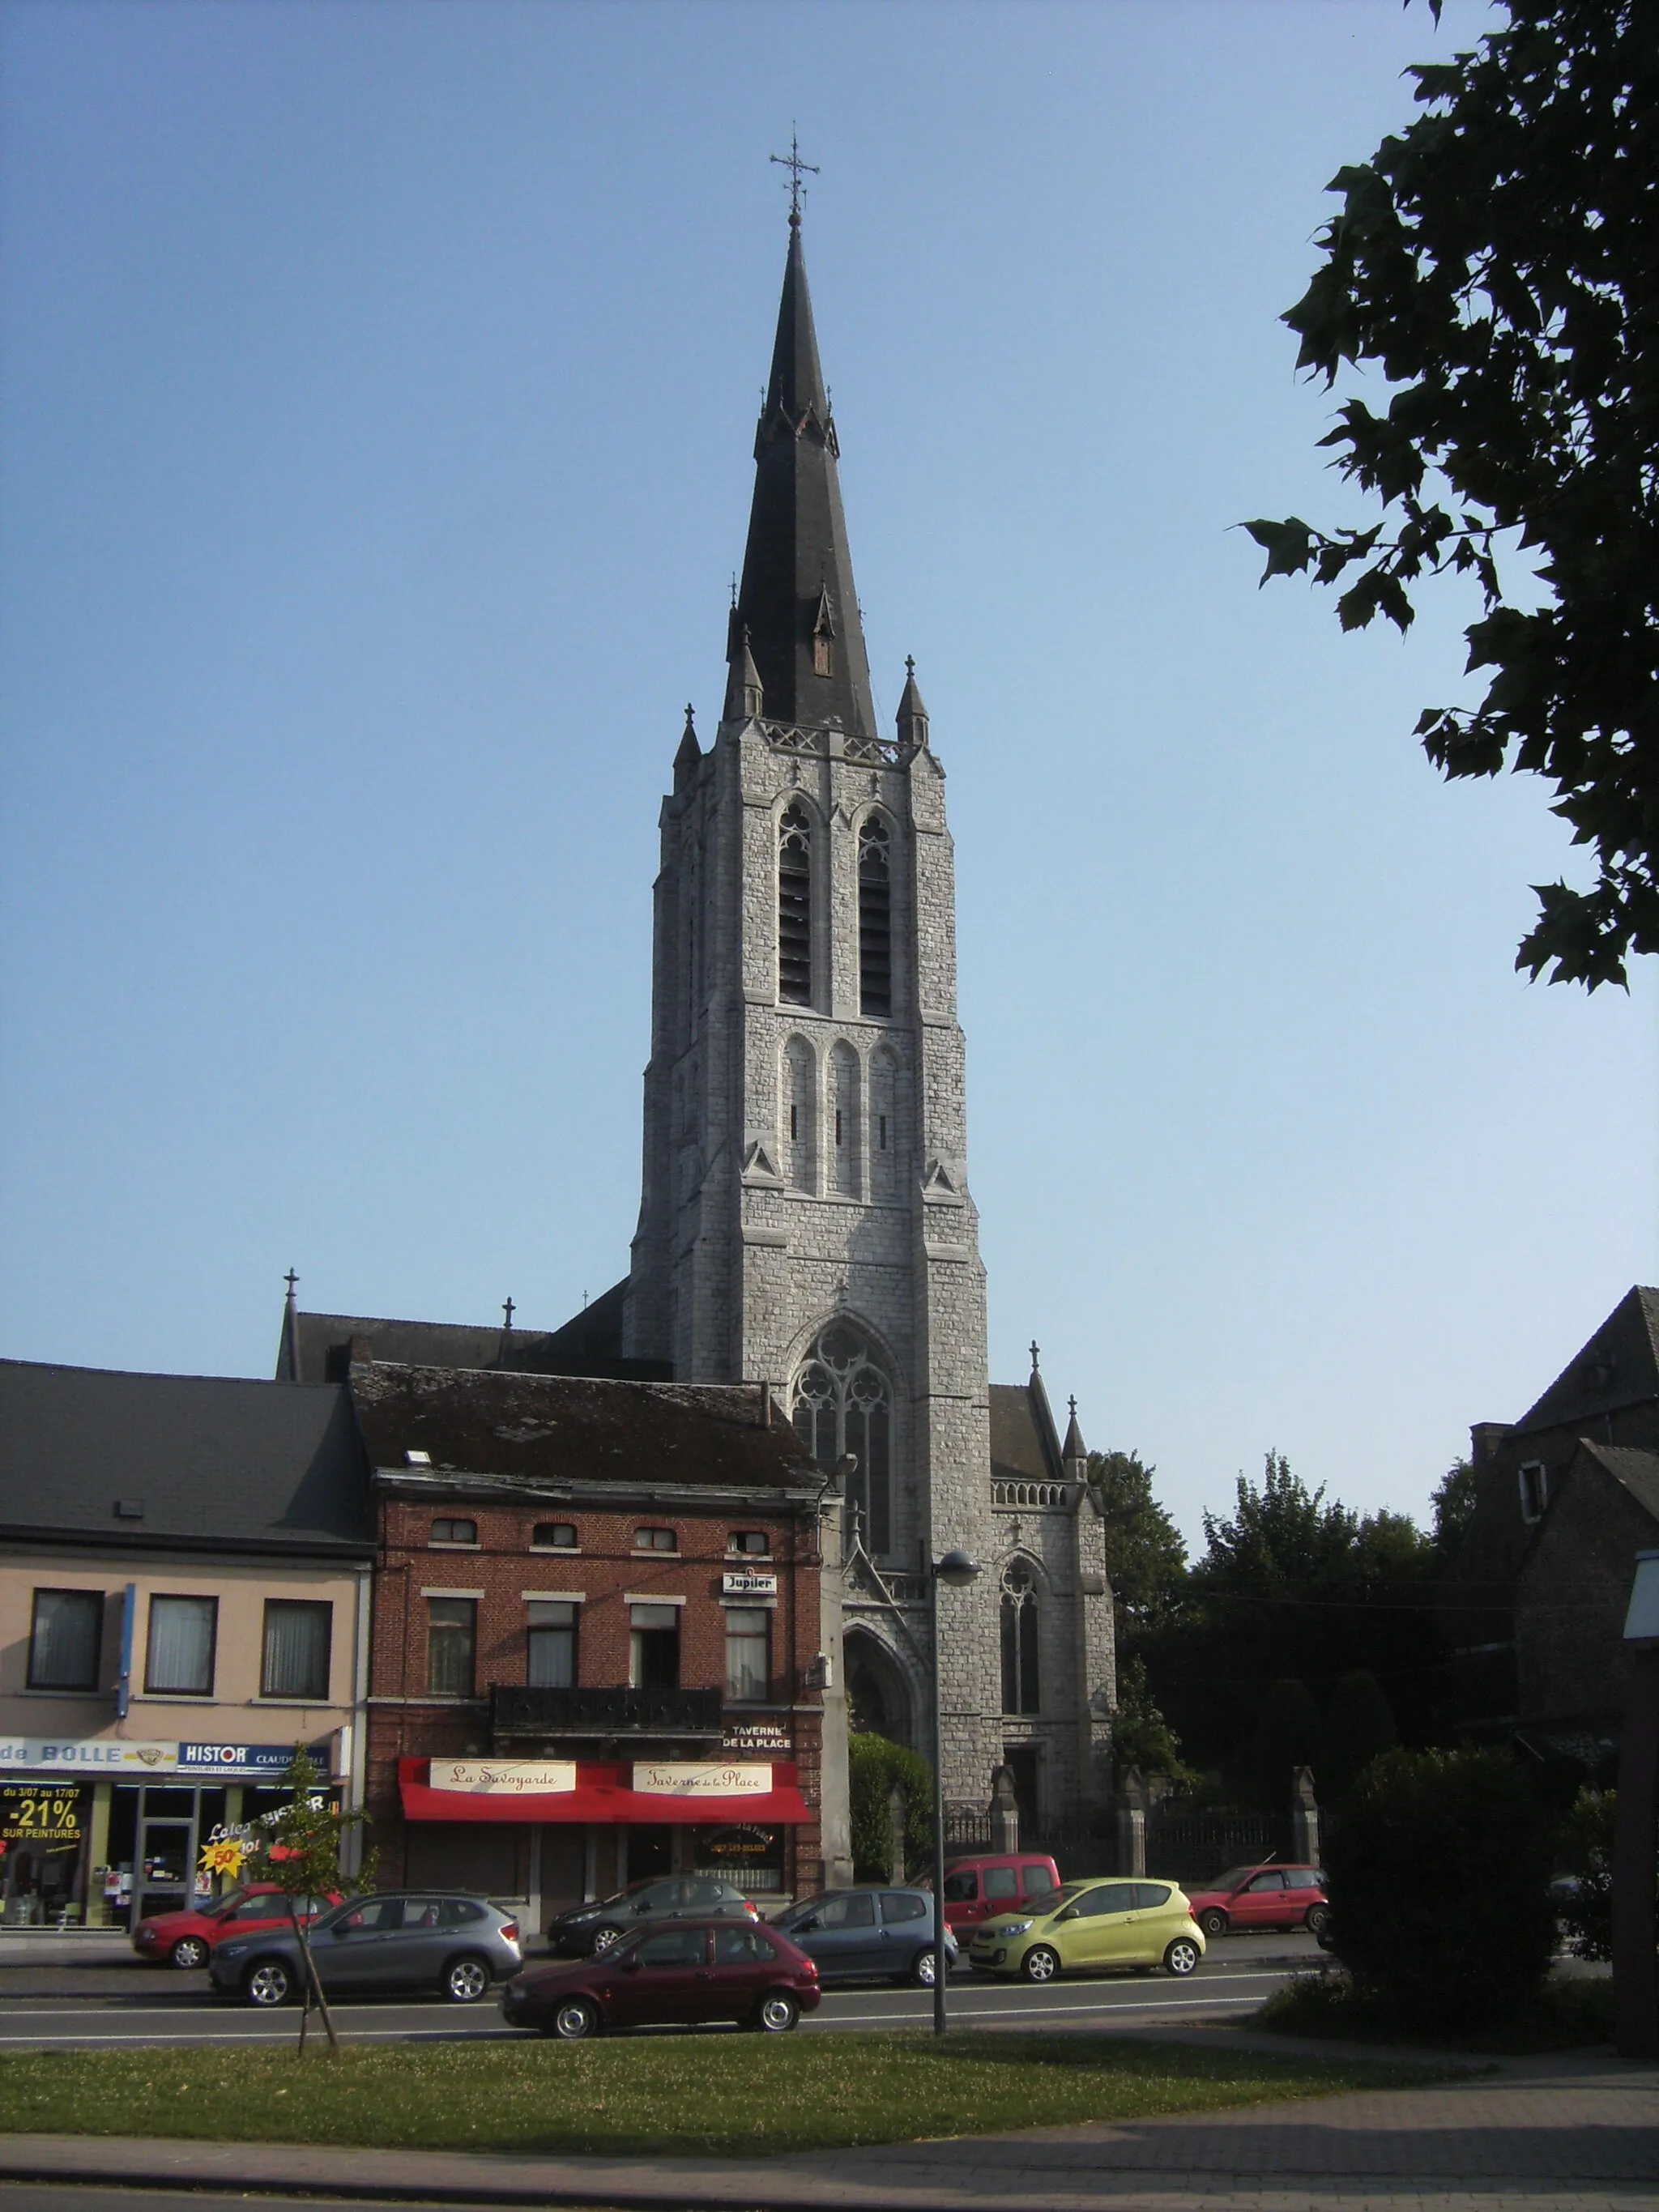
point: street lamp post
(959, 1570)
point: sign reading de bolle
(698, 1778)
(115, 1755)
(504, 1777)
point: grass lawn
(1571, 2012)
(665, 2093)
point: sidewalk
(1558, 2135)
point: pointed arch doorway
(877, 1696)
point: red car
(184, 1939)
(1261, 1897)
(980, 1886)
(674, 1975)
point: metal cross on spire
(792, 161)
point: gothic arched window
(795, 906)
(843, 1402)
(875, 918)
(1021, 1689)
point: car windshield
(633, 1889)
(221, 1905)
(1235, 1877)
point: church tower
(807, 1220)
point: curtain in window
(64, 1648)
(452, 1639)
(552, 1645)
(181, 1633)
(748, 1654)
(297, 1635)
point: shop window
(554, 1536)
(552, 1642)
(298, 1634)
(748, 1654)
(454, 1532)
(452, 1642)
(654, 1652)
(1021, 1690)
(656, 1540)
(179, 1654)
(753, 1543)
(64, 1639)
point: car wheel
(573, 2021)
(465, 1980)
(1318, 1919)
(924, 1969)
(776, 2013)
(1040, 1964)
(188, 1953)
(269, 1982)
(1213, 1921)
(604, 1938)
(1182, 1956)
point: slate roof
(1619, 1367)
(1024, 1446)
(217, 1463)
(1637, 1471)
(320, 1347)
(555, 1429)
(797, 564)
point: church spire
(797, 599)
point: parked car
(455, 1946)
(586, 1930)
(1262, 1897)
(699, 1969)
(980, 1886)
(863, 1935)
(184, 1939)
(1092, 1924)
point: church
(806, 1223)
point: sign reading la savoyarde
(504, 1777)
(703, 1778)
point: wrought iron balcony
(516, 1712)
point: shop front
(555, 1831)
(105, 1832)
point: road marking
(1176, 2005)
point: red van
(979, 1886)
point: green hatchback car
(1089, 1926)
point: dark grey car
(586, 1929)
(450, 1944)
(866, 1935)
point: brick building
(1533, 1607)
(596, 1639)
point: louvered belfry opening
(875, 919)
(796, 907)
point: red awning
(602, 1795)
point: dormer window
(823, 638)
(1534, 1490)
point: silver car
(452, 1945)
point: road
(73, 2009)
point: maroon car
(674, 1975)
(1261, 1897)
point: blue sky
(378, 386)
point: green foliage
(1288, 1735)
(1439, 1869)
(1564, 2015)
(1146, 1557)
(1496, 263)
(1586, 1853)
(1454, 1506)
(1293, 1585)
(874, 1766)
(1358, 1727)
(298, 1846)
(1140, 1735)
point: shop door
(167, 1861)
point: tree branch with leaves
(1498, 262)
